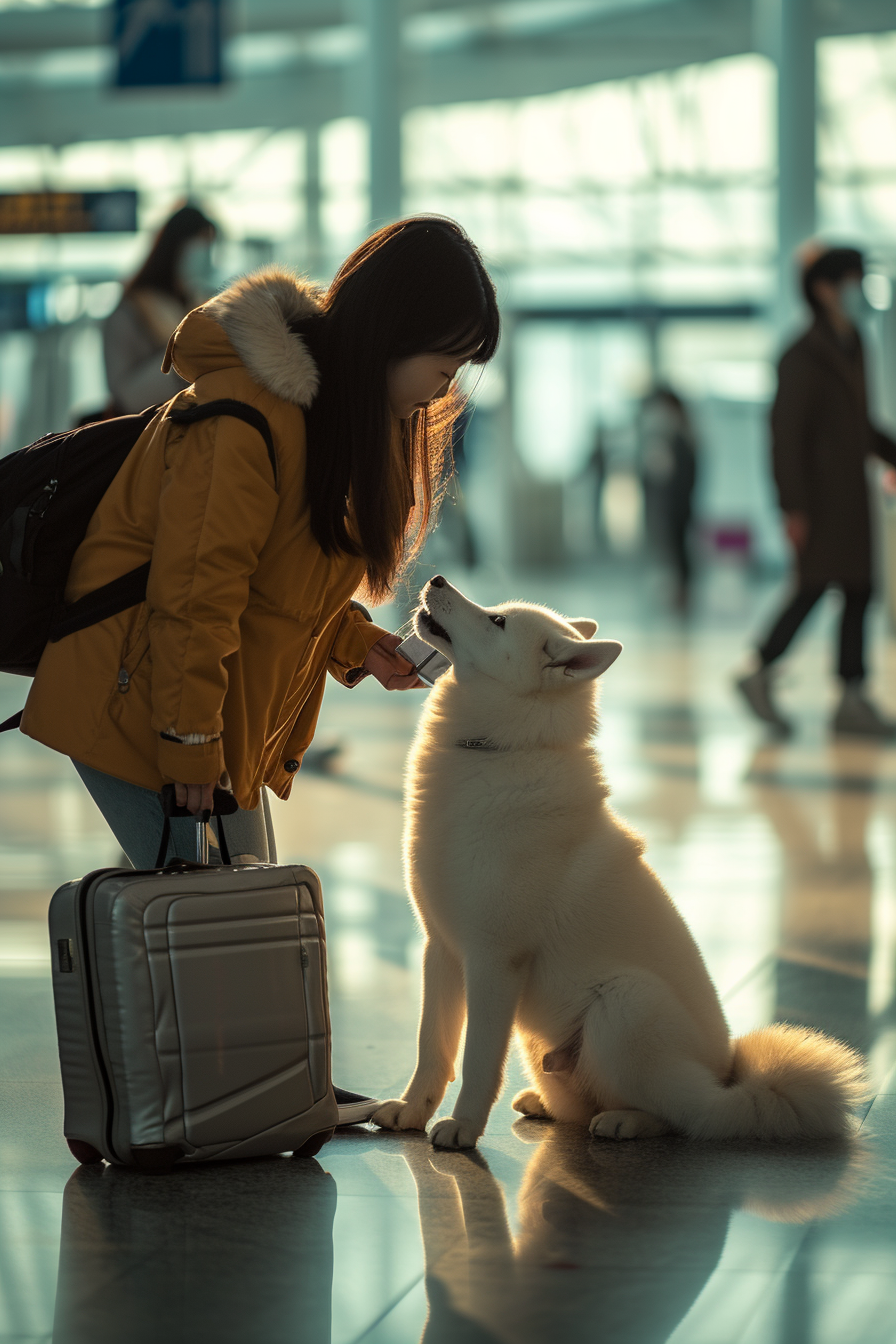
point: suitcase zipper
(92, 1017)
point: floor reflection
(233, 1252)
(826, 896)
(615, 1242)
(781, 857)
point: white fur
(256, 312)
(540, 913)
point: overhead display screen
(68, 212)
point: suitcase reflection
(229, 1252)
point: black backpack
(49, 491)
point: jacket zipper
(124, 676)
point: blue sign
(164, 43)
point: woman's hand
(390, 668)
(195, 798)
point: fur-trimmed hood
(250, 320)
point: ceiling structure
(294, 62)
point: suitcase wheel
(155, 1157)
(314, 1144)
(83, 1152)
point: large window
(662, 184)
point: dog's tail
(785, 1083)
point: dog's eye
(499, 621)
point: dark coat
(821, 436)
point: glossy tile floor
(783, 860)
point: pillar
(314, 261)
(786, 33)
(382, 107)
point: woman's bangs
(472, 343)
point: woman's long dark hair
(415, 287)
(160, 269)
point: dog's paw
(399, 1115)
(451, 1133)
(530, 1103)
(626, 1125)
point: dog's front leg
(493, 993)
(441, 1020)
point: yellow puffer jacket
(244, 613)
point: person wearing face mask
(255, 556)
(175, 277)
(821, 438)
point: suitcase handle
(224, 801)
(224, 805)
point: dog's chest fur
(484, 828)
(516, 849)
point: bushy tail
(787, 1083)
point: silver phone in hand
(430, 664)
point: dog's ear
(584, 625)
(585, 659)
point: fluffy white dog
(541, 913)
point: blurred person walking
(175, 277)
(667, 453)
(821, 438)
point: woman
(249, 599)
(218, 677)
(173, 279)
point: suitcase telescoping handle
(225, 805)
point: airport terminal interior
(639, 175)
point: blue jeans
(135, 818)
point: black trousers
(852, 628)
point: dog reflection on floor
(614, 1244)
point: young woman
(174, 277)
(218, 677)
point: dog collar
(477, 744)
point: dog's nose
(437, 581)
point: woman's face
(413, 383)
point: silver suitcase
(192, 1014)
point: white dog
(541, 913)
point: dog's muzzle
(429, 622)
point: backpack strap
(130, 589)
(117, 595)
(238, 410)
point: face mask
(661, 419)
(196, 265)
(853, 301)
